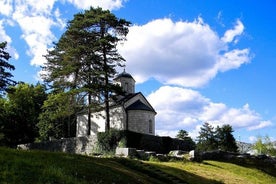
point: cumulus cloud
(232, 33)
(262, 124)
(180, 108)
(180, 53)
(36, 20)
(5, 38)
(6, 7)
(106, 4)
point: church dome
(124, 74)
(126, 81)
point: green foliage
(58, 117)
(122, 143)
(213, 139)
(5, 76)
(108, 141)
(19, 113)
(225, 138)
(206, 139)
(87, 55)
(184, 135)
(263, 145)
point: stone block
(125, 152)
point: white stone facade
(141, 121)
(130, 112)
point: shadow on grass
(253, 163)
(166, 174)
(206, 163)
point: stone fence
(78, 145)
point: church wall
(81, 125)
(97, 124)
(140, 120)
(118, 118)
(117, 121)
(127, 84)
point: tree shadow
(166, 174)
(189, 177)
(206, 163)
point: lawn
(215, 172)
(17, 166)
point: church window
(150, 126)
(126, 86)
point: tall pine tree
(85, 58)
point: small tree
(219, 138)
(184, 135)
(207, 138)
(264, 146)
(58, 117)
(225, 138)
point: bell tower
(126, 81)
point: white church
(129, 112)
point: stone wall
(79, 145)
(139, 121)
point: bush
(108, 141)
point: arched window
(150, 126)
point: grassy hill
(44, 167)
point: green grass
(17, 166)
(215, 172)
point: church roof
(123, 74)
(123, 99)
(138, 105)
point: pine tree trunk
(89, 115)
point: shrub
(108, 141)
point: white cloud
(5, 38)
(180, 53)
(180, 108)
(3, 35)
(232, 33)
(6, 7)
(105, 4)
(36, 20)
(262, 124)
(252, 139)
(233, 59)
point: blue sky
(196, 61)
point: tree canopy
(85, 59)
(5, 68)
(19, 113)
(184, 135)
(220, 138)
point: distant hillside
(247, 147)
(44, 167)
(244, 147)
